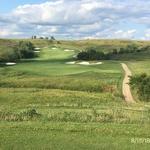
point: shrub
(132, 48)
(25, 49)
(22, 50)
(91, 54)
(142, 84)
(114, 51)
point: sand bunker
(84, 63)
(37, 48)
(10, 63)
(97, 63)
(89, 63)
(37, 51)
(68, 50)
(71, 63)
(54, 48)
(74, 56)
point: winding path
(125, 86)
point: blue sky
(75, 19)
(7, 5)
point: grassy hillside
(78, 44)
(48, 104)
(103, 44)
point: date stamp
(140, 140)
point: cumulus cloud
(7, 31)
(124, 34)
(77, 18)
(146, 35)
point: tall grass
(63, 82)
(86, 116)
(30, 114)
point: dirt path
(125, 86)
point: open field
(48, 104)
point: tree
(142, 85)
(41, 37)
(122, 50)
(82, 55)
(52, 38)
(25, 49)
(131, 48)
(91, 54)
(114, 51)
(58, 42)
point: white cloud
(146, 35)
(77, 18)
(129, 34)
(9, 31)
(89, 28)
(52, 13)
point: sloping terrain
(48, 104)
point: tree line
(91, 53)
(23, 49)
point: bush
(25, 49)
(22, 50)
(142, 84)
(83, 56)
(91, 54)
(114, 51)
(129, 49)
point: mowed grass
(53, 62)
(47, 104)
(52, 72)
(60, 68)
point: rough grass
(66, 136)
(139, 67)
(46, 104)
(74, 83)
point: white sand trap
(84, 63)
(54, 48)
(37, 48)
(74, 56)
(71, 63)
(97, 63)
(88, 63)
(37, 51)
(68, 50)
(10, 63)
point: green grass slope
(48, 104)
